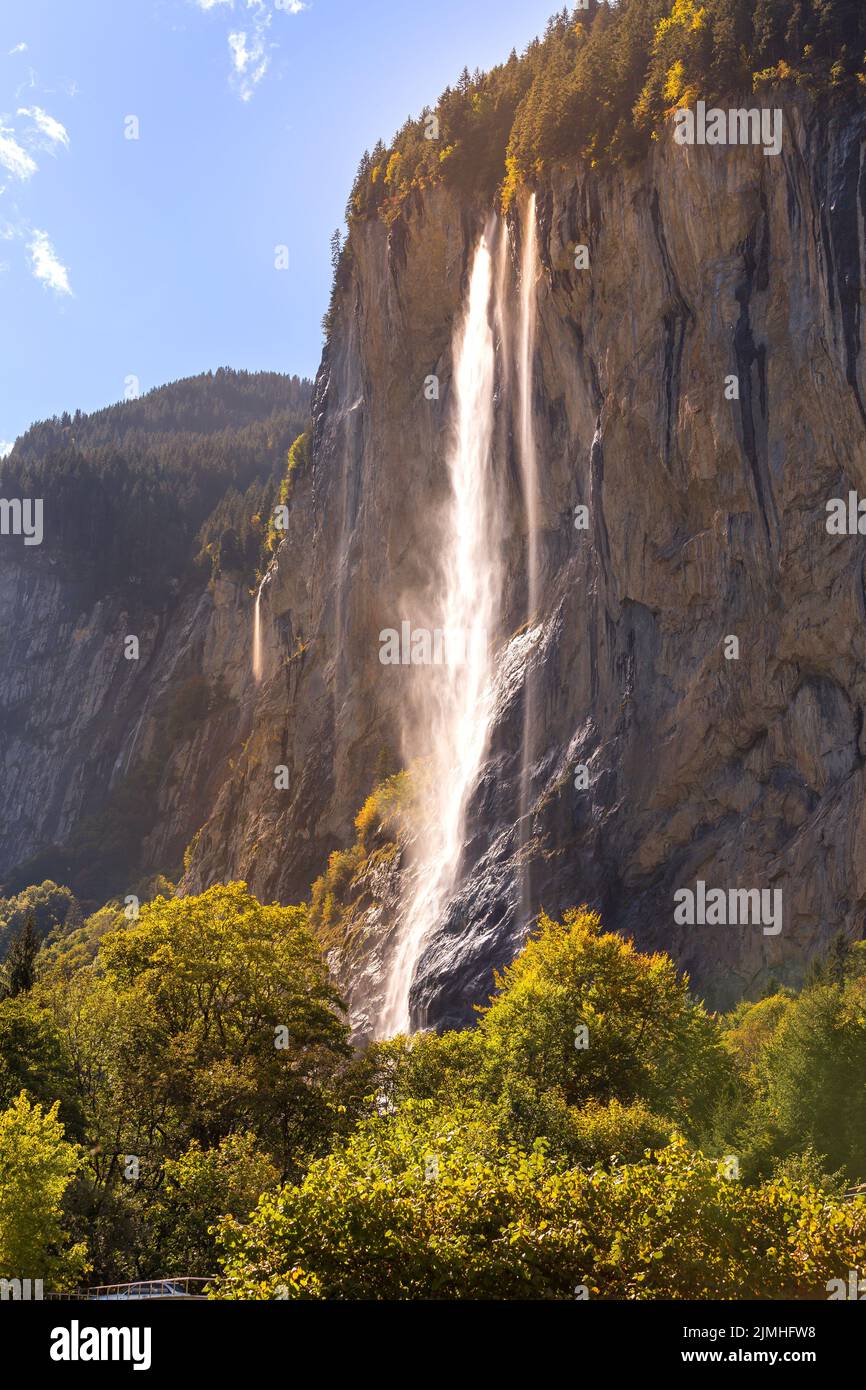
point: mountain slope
(108, 762)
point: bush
(429, 1206)
(647, 1038)
(201, 1186)
(36, 1167)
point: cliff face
(86, 758)
(111, 757)
(707, 519)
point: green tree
(253, 1027)
(34, 1058)
(812, 1077)
(429, 1205)
(36, 1167)
(199, 1188)
(46, 906)
(20, 965)
(582, 1011)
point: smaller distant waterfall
(257, 633)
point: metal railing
(182, 1286)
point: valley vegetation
(178, 1095)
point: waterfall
(501, 306)
(257, 634)
(528, 456)
(529, 476)
(454, 710)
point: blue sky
(154, 257)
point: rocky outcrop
(99, 749)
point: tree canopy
(129, 489)
(596, 87)
(181, 1093)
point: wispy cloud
(6, 447)
(250, 47)
(19, 48)
(13, 158)
(263, 7)
(52, 130)
(250, 60)
(34, 130)
(46, 266)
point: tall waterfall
(455, 709)
(258, 664)
(526, 353)
(529, 476)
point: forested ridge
(127, 489)
(144, 503)
(597, 85)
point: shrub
(425, 1205)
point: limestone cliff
(707, 518)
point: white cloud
(54, 132)
(13, 158)
(250, 59)
(250, 48)
(19, 48)
(28, 83)
(46, 266)
(6, 447)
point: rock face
(112, 757)
(78, 719)
(707, 520)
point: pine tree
(832, 967)
(336, 245)
(838, 959)
(20, 971)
